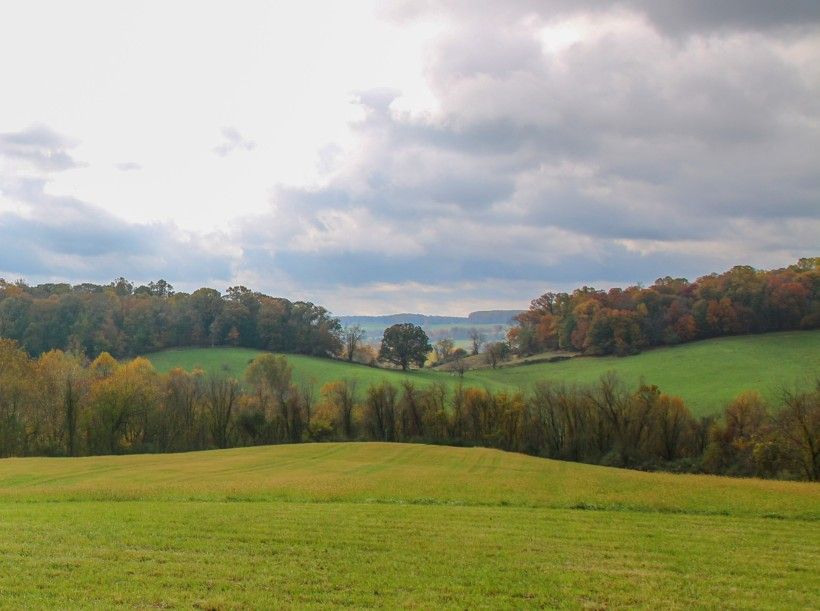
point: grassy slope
(706, 374)
(307, 370)
(394, 524)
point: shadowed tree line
(127, 321)
(672, 310)
(60, 404)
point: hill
(307, 370)
(705, 374)
(492, 324)
(397, 525)
(483, 317)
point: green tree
(405, 344)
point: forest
(60, 404)
(127, 321)
(672, 311)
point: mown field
(366, 524)
(705, 374)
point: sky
(430, 156)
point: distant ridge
(483, 317)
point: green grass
(306, 370)
(364, 524)
(705, 374)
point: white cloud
(441, 155)
(232, 141)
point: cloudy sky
(430, 156)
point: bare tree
(477, 338)
(495, 353)
(799, 425)
(342, 394)
(444, 349)
(220, 400)
(352, 336)
(460, 366)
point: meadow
(307, 370)
(366, 524)
(706, 374)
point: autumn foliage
(60, 404)
(672, 310)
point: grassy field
(306, 369)
(397, 525)
(706, 374)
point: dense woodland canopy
(127, 321)
(672, 310)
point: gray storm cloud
(629, 154)
(660, 138)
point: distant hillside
(484, 317)
(493, 317)
(492, 324)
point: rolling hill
(705, 374)
(306, 369)
(364, 524)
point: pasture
(366, 524)
(307, 370)
(705, 374)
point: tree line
(124, 320)
(671, 311)
(61, 404)
(127, 321)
